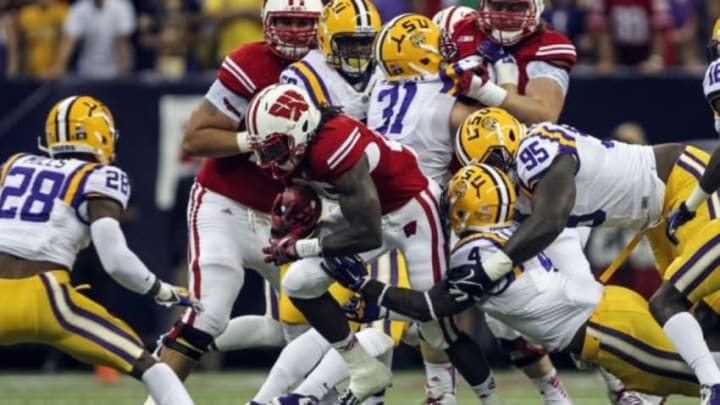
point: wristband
(308, 247)
(243, 142)
(697, 197)
(506, 73)
(488, 93)
(497, 265)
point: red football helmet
(508, 21)
(295, 212)
(290, 26)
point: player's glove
(491, 51)
(504, 63)
(473, 79)
(281, 250)
(169, 295)
(676, 219)
(349, 271)
(360, 310)
(468, 281)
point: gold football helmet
(714, 44)
(489, 135)
(481, 197)
(80, 124)
(410, 46)
(346, 33)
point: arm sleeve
(117, 258)
(108, 182)
(538, 69)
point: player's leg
(690, 277)
(707, 312)
(306, 284)
(221, 233)
(421, 238)
(622, 337)
(86, 331)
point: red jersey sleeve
(249, 68)
(551, 47)
(338, 147)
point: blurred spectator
(166, 36)
(569, 17)
(103, 28)
(9, 46)
(39, 29)
(237, 22)
(629, 33)
(684, 47)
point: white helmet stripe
(361, 11)
(62, 123)
(503, 192)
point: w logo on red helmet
(300, 3)
(289, 105)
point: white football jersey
(711, 88)
(417, 114)
(43, 209)
(324, 84)
(616, 183)
(543, 304)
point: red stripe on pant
(434, 234)
(195, 240)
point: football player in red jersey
(385, 202)
(230, 203)
(530, 62)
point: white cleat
(626, 397)
(372, 377)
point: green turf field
(237, 387)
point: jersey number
(34, 195)
(714, 74)
(393, 121)
(593, 219)
(533, 155)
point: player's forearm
(117, 258)
(708, 184)
(530, 110)
(352, 240)
(214, 142)
(536, 233)
(417, 305)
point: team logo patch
(489, 123)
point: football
(295, 211)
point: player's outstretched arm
(121, 263)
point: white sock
(487, 392)
(686, 335)
(250, 331)
(164, 386)
(332, 370)
(295, 362)
(551, 388)
(441, 377)
(613, 383)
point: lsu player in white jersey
(412, 52)
(608, 327)
(50, 209)
(568, 178)
(341, 72)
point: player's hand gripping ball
(295, 212)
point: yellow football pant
(47, 309)
(690, 266)
(389, 268)
(624, 338)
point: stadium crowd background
(50, 41)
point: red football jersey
(245, 72)
(545, 45)
(340, 145)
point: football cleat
(710, 394)
(625, 397)
(437, 396)
(294, 399)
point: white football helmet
(283, 30)
(281, 120)
(449, 16)
(508, 21)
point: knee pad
(187, 340)
(440, 334)
(296, 284)
(522, 353)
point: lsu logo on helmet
(410, 46)
(80, 125)
(489, 135)
(481, 197)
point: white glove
(168, 295)
(506, 71)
